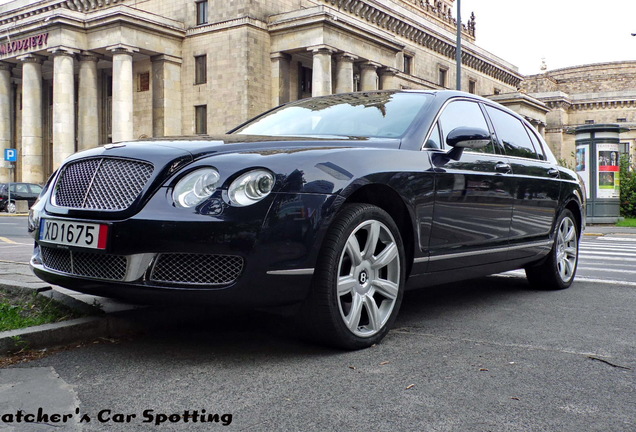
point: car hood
(191, 148)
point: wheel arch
(391, 202)
(575, 207)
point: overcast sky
(564, 32)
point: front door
(473, 198)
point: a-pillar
(32, 160)
(122, 93)
(344, 72)
(281, 83)
(321, 84)
(5, 117)
(166, 96)
(87, 116)
(369, 76)
(63, 105)
(388, 79)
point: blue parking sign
(11, 155)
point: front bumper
(258, 255)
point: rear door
(536, 182)
(473, 197)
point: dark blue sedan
(336, 204)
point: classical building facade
(80, 73)
(602, 93)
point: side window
(464, 113)
(512, 134)
(22, 188)
(535, 142)
(433, 141)
(36, 189)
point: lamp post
(458, 50)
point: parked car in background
(334, 204)
(19, 192)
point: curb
(106, 325)
(64, 333)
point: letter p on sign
(10, 155)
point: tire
(358, 282)
(558, 269)
(10, 208)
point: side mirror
(459, 139)
(468, 137)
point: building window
(589, 121)
(306, 77)
(201, 119)
(202, 12)
(472, 86)
(442, 77)
(143, 81)
(621, 120)
(200, 69)
(496, 91)
(408, 64)
(623, 149)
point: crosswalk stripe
(618, 252)
(620, 239)
(607, 258)
(607, 270)
(521, 273)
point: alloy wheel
(368, 278)
(566, 249)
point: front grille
(101, 184)
(197, 269)
(99, 266)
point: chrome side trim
(294, 272)
(490, 251)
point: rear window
(512, 134)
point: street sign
(11, 155)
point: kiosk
(598, 163)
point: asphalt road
(15, 242)
(487, 355)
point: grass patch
(20, 310)
(628, 222)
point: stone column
(5, 117)
(321, 75)
(88, 103)
(166, 96)
(281, 83)
(369, 76)
(32, 160)
(344, 72)
(122, 93)
(63, 105)
(388, 79)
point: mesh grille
(197, 269)
(57, 259)
(110, 267)
(101, 184)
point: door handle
(553, 172)
(502, 167)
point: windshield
(378, 115)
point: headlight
(251, 187)
(195, 187)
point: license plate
(72, 233)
